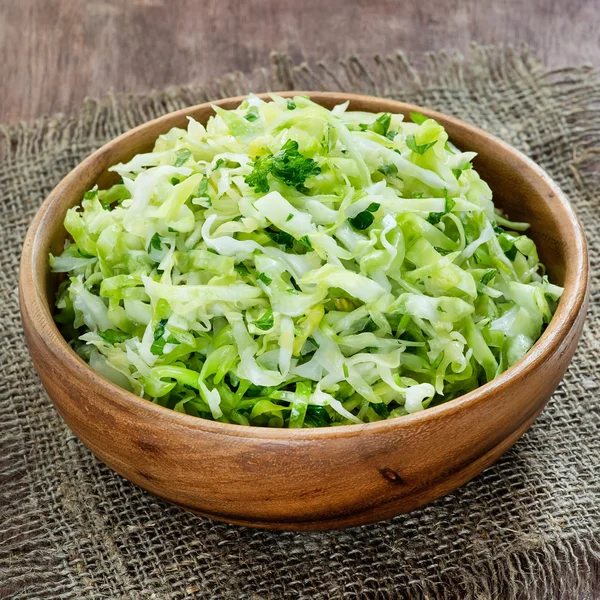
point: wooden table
(53, 53)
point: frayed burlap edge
(380, 76)
(557, 568)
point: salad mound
(291, 266)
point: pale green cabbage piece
(290, 266)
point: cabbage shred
(290, 266)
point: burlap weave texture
(527, 528)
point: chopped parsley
(364, 220)
(435, 218)
(287, 166)
(381, 408)
(226, 164)
(419, 149)
(305, 242)
(181, 157)
(160, 328)
(317, 416)
(264, 278)
(112, 336)
(91, 194)
(489, 275)
(242, 269)
(281, 237)
(390, 170)
(265, 322)
(252, 114)
(380, 125)
(155, 242)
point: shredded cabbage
(290, 266)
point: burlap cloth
(529, 527)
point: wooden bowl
(309, 478)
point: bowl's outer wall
(309, 479)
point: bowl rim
(572, 301)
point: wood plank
(53, 53)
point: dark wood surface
(53, 53)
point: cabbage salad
(291, 266)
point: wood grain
(53, 53)
(310, 478)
